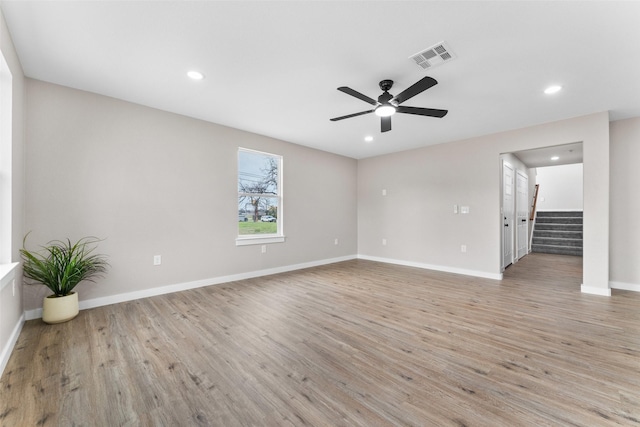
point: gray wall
(11, 307)
(156, 183)
(416, 217)
(147, 181)
(625, 204)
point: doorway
(519, 177)
(507, 214)
(522, 214)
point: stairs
(558, 233)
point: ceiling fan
(387, 104)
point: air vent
(435, 55)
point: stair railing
(533, 204)
(533, 216)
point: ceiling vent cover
(435, 55)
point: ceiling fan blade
(416, 88)
(431, 112)
(335, 119)
(385, 124)
(358, 95)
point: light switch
(464, 209)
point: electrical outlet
(463, 248)
(384, 242)
(384, 192)
(335, 242)
(264, 249)
(157, 259)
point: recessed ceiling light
(552, 89)
(554, 158)
(195, 75)
(368, 138)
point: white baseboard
(145, 293)
(474, 273)
(11, 342)
(625, 286)
(594, 290)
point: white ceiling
(565, 154)
(273, 67)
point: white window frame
(6, 119)
(260, 239)
(7, 268)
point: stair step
(558, 220)
(558, 233)
(558, 227)
(559, 250)
(574, 243)
(559, 213)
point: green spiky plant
(61, 265)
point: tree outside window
(259, 194)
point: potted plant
(60, 266)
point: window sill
(7, 273)
(246, 241)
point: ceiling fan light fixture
(553, 89)
(385, 110)
(195, 75)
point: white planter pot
(60, 309)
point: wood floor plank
(356, 343)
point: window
(259, 198)
(6, 93)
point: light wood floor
(357, 343)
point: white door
(522, 214)
(507, 214)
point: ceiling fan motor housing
(385, 98)
(385, 85)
